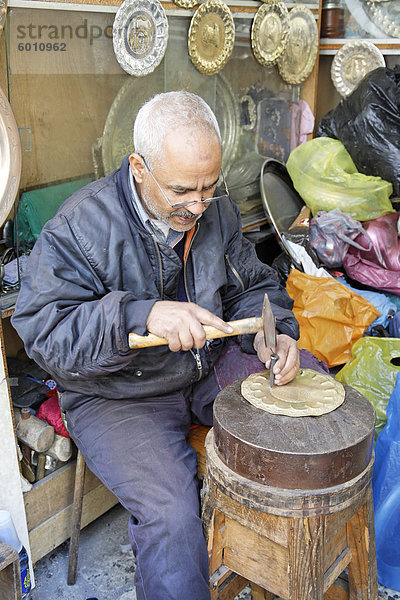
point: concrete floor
(106, 566)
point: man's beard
(153, 210)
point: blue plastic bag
(386, 488)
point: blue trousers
(138, 448)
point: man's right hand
(181, 323)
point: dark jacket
(95, 273)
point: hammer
(250, 325)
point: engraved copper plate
(386, 15)
(310, 394)
(269, 32)
(140, 36)
(10, 158)
(352, 62)
(116, 141)
(211, 36)
(298, 58)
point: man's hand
(181, 323)
(288, 364)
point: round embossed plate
(309, 394)
(10, 158)
(211, 36)
(298, 58)
(269, 32)
(352, 62)
(140, 36)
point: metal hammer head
(268, 324)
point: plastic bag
(367, 122)
(331, 317)
(386, 488)
(378, 267)
(331, 234)
(325, 176)
(372, 371)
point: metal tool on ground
(269, 325)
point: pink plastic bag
(378, 267)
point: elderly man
(154, 247)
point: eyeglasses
(185, 204)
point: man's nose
(197, 208)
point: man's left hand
(287, 366)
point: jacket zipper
(234, 271)
(160, 263)
(196, 354)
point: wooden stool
(292, 540)
(10, 576)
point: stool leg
(258, 593)
(76, 519)
(363, 579)
(306, 576)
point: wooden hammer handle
(250, 325)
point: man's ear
(137, 167)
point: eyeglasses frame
(186, 204)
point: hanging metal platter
(211, 36)
(310, 394)
(269, 32)
(10, 158)
(298, 58)
(352, 62)
(186, 3)
(140, 36)
(116, 141)
(386, 15)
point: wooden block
(10, 577)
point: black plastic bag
(367, 123)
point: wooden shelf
(386, 45)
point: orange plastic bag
(330, 315)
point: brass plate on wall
(352, 62)
(186, 3)
(269, 32)
(140, 36)
(386, 15)
(299, 56)
(116, 141)
(10, 158)
(211, 36)
(310, 394)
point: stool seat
(10, 576)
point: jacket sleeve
(248, 280)
(70, 324)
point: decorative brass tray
(10, 158)
(211, 36)
(116, 141)
(140, 36)
(352, 62)
(186, 3)
(298, 58)
(269, 32)
(309, 394)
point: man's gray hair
(165, 112)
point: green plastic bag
(325, 176)
(372, 371)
